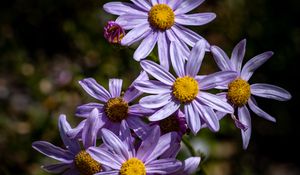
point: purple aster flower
(73, 160)
(187, 90)
(113, 32)
(240, 92)
(159, 21)
(114, 107)
(124, 159)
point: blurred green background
(46, 46)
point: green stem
(189, 146)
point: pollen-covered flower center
(116, 109)
(185, 89)
(161, 16)
(169, 124)
(238, 92)
(133, 166)
(86, 165)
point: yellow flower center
(86, 165)
(185, 89)
(238, 92)
(169, 124)
(161, 16)
(116, 109)
(133, 166)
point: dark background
(46, 46)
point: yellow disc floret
(116, 109)
(161, 16)
(238, 92)
(85, 164)
(185, 89)
(133, 166)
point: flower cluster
(120, 135)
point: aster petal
(72, 171)
(143, 4)
(86, 109)
(52, 151)
(138, 110)
(196, 19)
(163, 166)
(56, 168)
(136, 34)
(214, 102)
(115, 144)
(158, 72)
(191, 164)
(90, 130)
(222, 78)
(155, 101)
(270, 91)
(126, 137)
(165, 112)
(163, 50)
(174, 4)
(187, 5)
(64, 127)
(254, 63)
(188, 36)
(146, 46)
(139, 127)
(153, 87)
(195, 59)
(148, 144)
(123, 8)
(154, 2)
(173, 150)
(238, 54)
(131, 21)
(94, 89)
(115, 87)
(221, 58)
(76, 132)
(209, 116)
(244, 117)
(184, 49)
(163, 144)
(176, 59)
(104, 157)
(253, 106)
(132, 93)
(192, 118)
